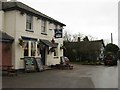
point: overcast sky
(98, 18)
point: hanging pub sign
(58, 33)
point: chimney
(111, 38)
(86, 39)
(78, 39)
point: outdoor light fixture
(38, 18)
(53, 41)
(62, 47)
(22, 13)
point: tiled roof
(86, 46)
(8, 6)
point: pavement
(82, 76)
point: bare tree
(75, 36)
(67, 36)
(91, 38)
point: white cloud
(96, 17)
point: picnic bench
(64, 64)
(63, 67)
(8, 70)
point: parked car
(110, 60)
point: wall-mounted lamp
(62, 47)
(38, 18)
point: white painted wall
(3, 0)
(15, 25)
(119, 24)
(9, 28)
(10, 22)
(1, 20)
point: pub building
(36, 35)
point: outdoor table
(8, 69)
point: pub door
(6, 53)
(43, 55)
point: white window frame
(50, 25)
(56, 51)
(56, 26)
(30, 48)
(29, 22)
(26, 48)
(43, 26)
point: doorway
(43, 54)
(6, 53)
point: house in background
(84, 50)
(35, 34)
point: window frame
(43, 27)
(29, 22)
(50, 25)
(31, 49)
(56, 26)
(26, 48)
(56, 52)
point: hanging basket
(20, 42)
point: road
(82, 76)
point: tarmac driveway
(82, 76)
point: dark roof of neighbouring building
(8, 6)
(4, 37)
(86, 46)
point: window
(43, 26)
(56, 26)
(26, 48)
(33, 48)
(56, 52)
(50, 25)
(30, 48)
(29, 22)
